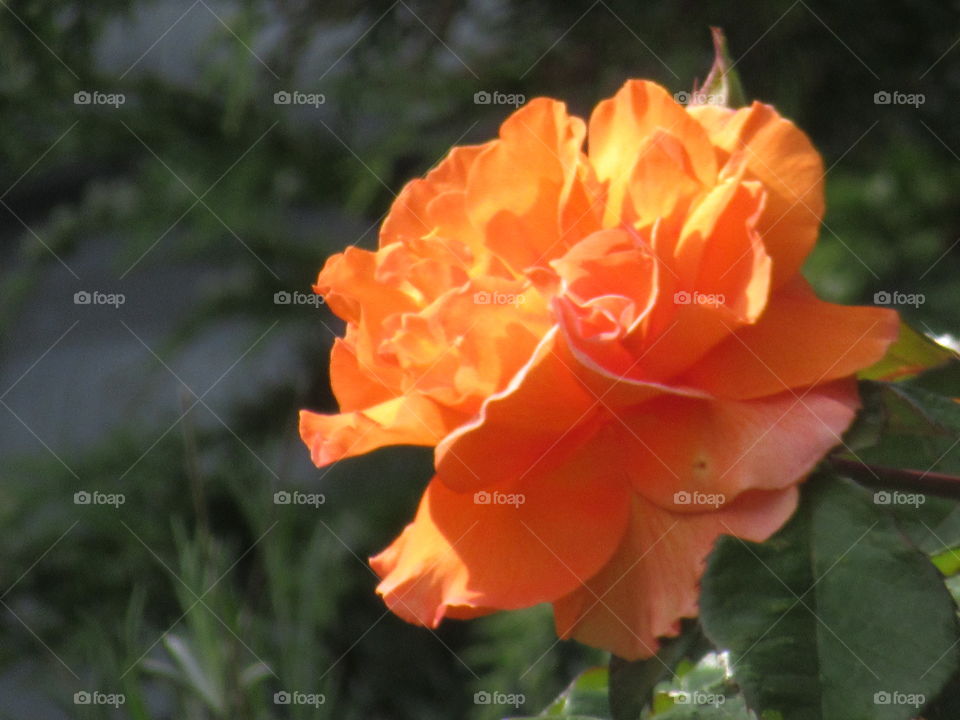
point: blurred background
(168, 167)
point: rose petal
(662, 182)
(715, 280)
(354, 386)
(407, 420)
(469, 343)
(411, 217)
(459, 553)
(620, 129)
(652, 580)
(519, 185)
(684, 452)
(529, 427)
(799, 341)
(778, 154)
(720, 252)
(610, 262)
(557, 402)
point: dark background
(199, 198)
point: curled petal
(720, 253)
(558, 402)
(614, 375)
(351, 288)
(774, 151)
(610, 262)
(539, 151)
(533, 423)
(407, 420)
(468, 343)
(411, 216)
(620, 132)
(662, 182)
(715, 279)
(354, 386)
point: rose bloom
(612, 352)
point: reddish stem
(897, 478)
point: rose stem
(896, 478)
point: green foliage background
(285, 601)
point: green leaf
(912, 353)
(704, 691)
(723, 708)
(254, 673)
(904, 425)
(632, 683)
(934, 527)
(947, 706)
(947, 562)
(834, 615)
(585, 698)
(928, 410)
(192, 672)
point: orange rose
(614, 354)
